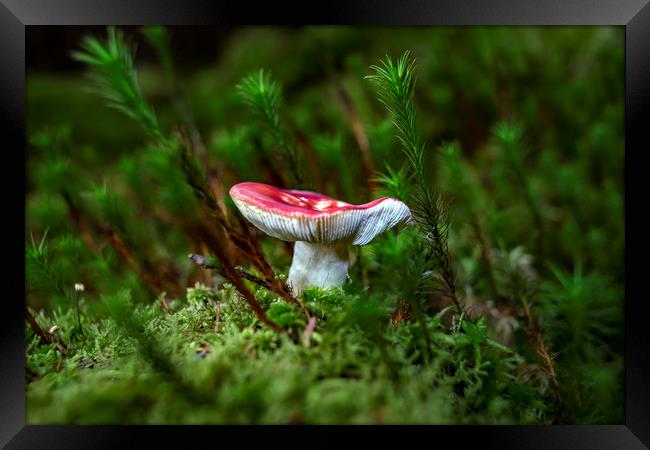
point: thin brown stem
(79, 222)
(233, 277)
(269, 164)
(227, 270)
(120, 247)
(536, 334)
(143, 271)
(537, 337)
(448, 278)
(360, 136)
(485, 256)
(36, 328)
(312, 159)
(216, 237)
(533, 209)
(277, 287)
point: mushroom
(321, 227)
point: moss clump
(242, 372)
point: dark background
(48, 47)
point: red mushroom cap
(293, 215)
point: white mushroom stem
(320, 265)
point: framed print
(243, 220)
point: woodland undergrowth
(151, 300)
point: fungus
(321, 227)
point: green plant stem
(395, 84)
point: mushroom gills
(319, 265)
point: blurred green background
(536, 114)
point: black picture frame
(634, 15)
